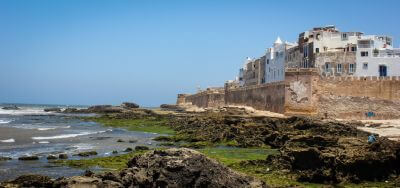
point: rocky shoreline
(322, 151)
(158, 168)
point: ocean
(31, 131)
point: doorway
(382, 70)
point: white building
(275, 61)
(377, 57)
(241, 77)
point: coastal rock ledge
(159, 168)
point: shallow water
(31, 131)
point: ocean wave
(5, 121)
(44, 142)
(39, 127)
(11, 140)
(46, 128)
(66, 135)
(25, 111)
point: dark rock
(167, 168)
(63, 156)
(33, 181)
(129, 105)
(182, 168)
(128, 150)
(28, 158)
(88, 173)
(87, 153)
(132, 141)
(5, 158)
(71, 110)
(120, 140)
(51, 157)
(141, 148)
(14, 107)
(52, 110)
(104, 109)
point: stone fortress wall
(305, 92)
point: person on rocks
(371, 138)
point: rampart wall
(305, 92)
(359, 97)
(207, 99)
(270, 97)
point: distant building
(275, 61)
(377, 57)
(329, 51)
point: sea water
(31, 131)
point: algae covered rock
(182, 168)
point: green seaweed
(111, 163)
(152, 125)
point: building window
(344, 36)
(316, 50)
(365, 65)
(364, 54)
(353, 49)
(351, 68)
(305, 51)
(364, 44)
(327, 67)
(267, 61)
(339, 68)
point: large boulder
(129, 105)
(182, 168)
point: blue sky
(105, 52)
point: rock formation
(159, 168)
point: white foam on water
(25, 111)
(5, 121)
(44, 142)
(11, 140)
(83, 147)
(46, 128)
(66, 136)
